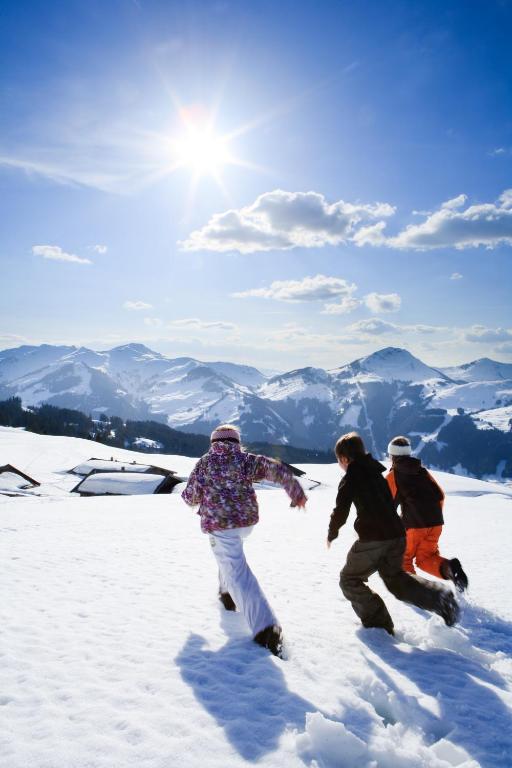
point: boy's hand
(328, 543)
(300, 502)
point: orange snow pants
(422, 546)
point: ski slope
(114, 651)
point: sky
(279, 185)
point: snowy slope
(483, 369)
(116, 653)
(391, 364)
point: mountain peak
(135, 349)
(392, 364)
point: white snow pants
(236, 577)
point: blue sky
(275, 184)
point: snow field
(114, 651)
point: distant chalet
(13, 482)
(104, 477)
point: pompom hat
(399, 446)
(225, 432)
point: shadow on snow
(245, 691)
(472, 712)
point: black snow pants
(385, 557)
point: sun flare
(201, 150)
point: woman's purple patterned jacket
(221, 483)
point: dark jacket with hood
(417, 493)
(364, 486)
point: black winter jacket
(417, 493)
(364, 486)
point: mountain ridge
(388, 392)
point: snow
(11, 482)
(116, 653)
(475, 396)
(297, 388)
(104, 465)
(129, 484)
(391, 364)
(499, 418)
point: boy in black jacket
(381, 544)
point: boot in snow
(448, 608)
(453, 571)
(271, 638)
(227, 601)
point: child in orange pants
(421, 501)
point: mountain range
(459, 418)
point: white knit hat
(399, 446)
(225, 432)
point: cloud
(55, 253)
(480, 333)
(383, 302)
(373, 327)
(317, 288)
(456, 276)
(11, 339)
(99, 249)
(371, 235)
(487, 224)
(153, 322)
(293, 335)
(498, 152)
(197, 324)
(281, 220)
(344, 307)
(137, 306)
(455, 202)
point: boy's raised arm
(340, 512)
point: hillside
(116, 651)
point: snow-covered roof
(112, 465)
(121, 484)
(13, 480)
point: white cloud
(11, 340)
(153, 322)
(498, 151)
(487, 224)
(371, 235)
(317, 288)
(383, 302)
(480, 333)
(455, 202)
(280, 220)
(344, 307)
(197, 324)
(55, 253)
(99, 249)
(456, 276)
(293, 335)
(373, 327)
(137, 306)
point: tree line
(117, 433)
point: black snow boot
(453, 571)
(448, 608)
(227, 601)
(271, 638)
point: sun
(201, 150)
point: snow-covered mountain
(457, 417)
